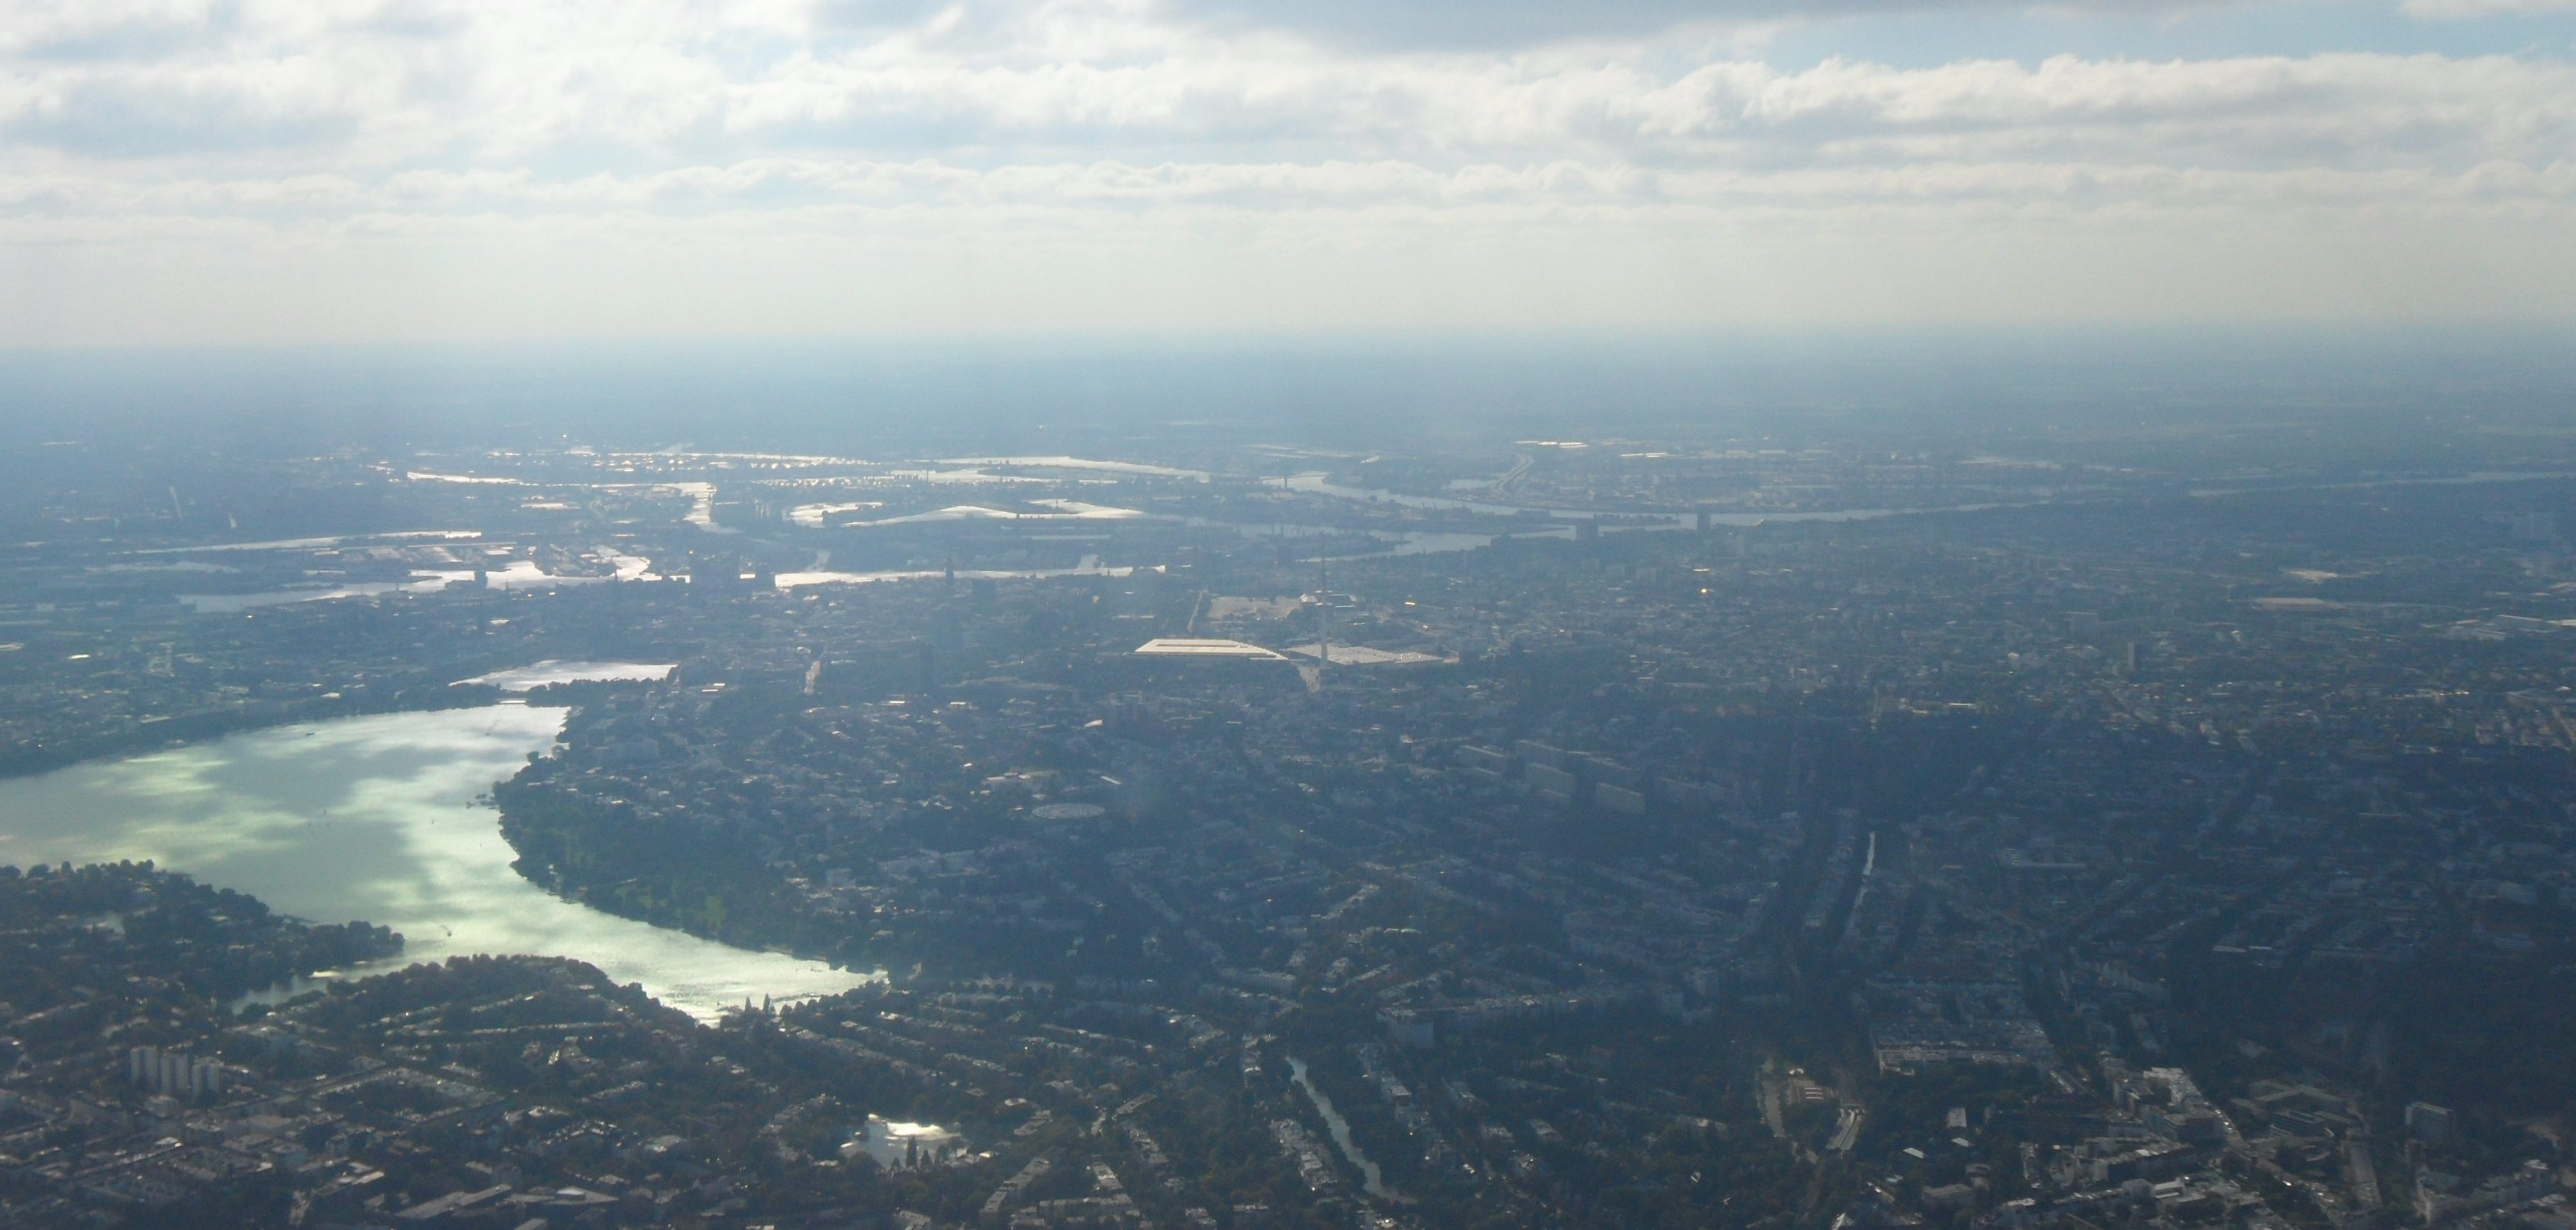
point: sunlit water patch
(233, 604)
(373, 818)
(1372, 1180)
(552, 671)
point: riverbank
(374, 818)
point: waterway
(1371, 1181)
(1318, 483)
(375, 818)
(554, 671)
(1088, 566)
(234, 604)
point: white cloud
(369, 161)
(2454, 10)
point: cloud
(1417, 24)
(1505, 24)
(432, 144)
(2454, 10)
(573, 88)
(113, 29)
(163, 119)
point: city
(1549, 833)
(1288, 615)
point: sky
(319, 171)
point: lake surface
(1372, 1180)
(1089, 566)
(1319, 483)
(234, 604)
(554, 671)
(371, 818)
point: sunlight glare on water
(369, 818)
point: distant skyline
(210, 171)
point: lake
(1372, 1180)
(372, 818)
(1319, 483)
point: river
(1372, 1180)
(1319, 483)
(373, 818)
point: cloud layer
(200, 170)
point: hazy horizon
(886, 396)
(194, 171)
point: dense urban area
(2151, 831)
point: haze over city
(1111, 614)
